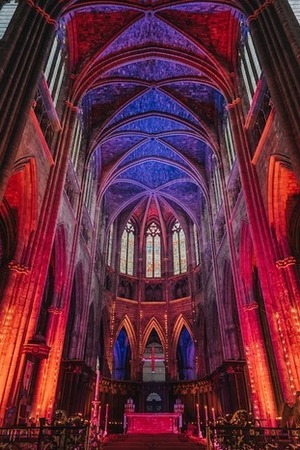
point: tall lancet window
(110, 242)
(179, 249)
(196, 243)
(127, 249)
(153, 251)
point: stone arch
(104, 348)
(283, 198)
(215, 349)
(201, 330)
(18, 212)
(246, 256)
(183, 349)
(54, 284)
(153, 324)
(21, 195)
(90, 337)
(233, 340)
(126, 323)
(255, 326)
(122, 356)
(74, 325)
(8, 233)
(180, 322)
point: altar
(152, 423)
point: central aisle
(151, 442)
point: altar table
(152, 423)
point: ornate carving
(283, 263)
(250, 306)
(259, 10)
(17, 267)
(43, 13)
(55, 310)
(39, 351)
(71, 106)
(234, 102)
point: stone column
(23, 56)
(276, 294)
(276, 35)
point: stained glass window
(109, 248)
(127, 249)
(179, 249)
(197, 257)
(250, 67)
(153, 251)
(229, 143)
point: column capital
(42, 12)
(285, 262)
(71, 106)
(250, 306)
(18, 267)
(234, 103)
(259, 10)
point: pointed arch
(153, 243)
(122, 356)
(153, 324)
(186, 353)
(74, 325)
(181, 322)
(52, 296)
(21, 198)
(104, 348)
(246, 257)
(127, 325)
(232, 329)
(283, 194)
(90, 337)
(59, 250)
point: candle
(213, 415)
(99, 418)
(198, 414)
(124, 423)
(97, 380)
(198, 421)
(106, 420)
(206, 415)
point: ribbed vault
(152, 80)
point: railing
(258, 438)
(47, 437)
(240, 431)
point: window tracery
(153, 251)
(179, 249)
(127, 249)
(110, 242)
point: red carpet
(150, 442)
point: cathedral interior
(149, 207)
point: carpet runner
(151, 442)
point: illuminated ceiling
(153, 79)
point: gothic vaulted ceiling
(153, 79)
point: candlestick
(197, 410)
(206, 415)
(198, 420)
(97, 380)
(99, 419)
(106, 420)
(213, 415)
